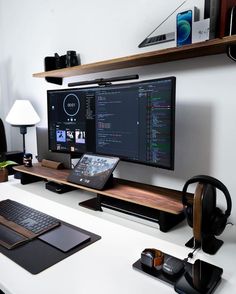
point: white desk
(104, 267)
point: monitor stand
(165, 220)
(124, 196)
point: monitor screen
(71, 121)
(133, 121)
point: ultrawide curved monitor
(133, 121)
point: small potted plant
(4, 171)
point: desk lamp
(22, 115)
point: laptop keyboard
(28, 218)
(156, 39)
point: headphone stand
(209, 244)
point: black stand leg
(28, 179)
(93, 204)
(209, 244)
(167, 220)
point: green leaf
(6, 163)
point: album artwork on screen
(93, 171)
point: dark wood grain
(164, 199)
(225, 10)
(44, 172)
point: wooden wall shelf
(206, 48)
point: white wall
(100, 30)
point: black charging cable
(229, 223)
(191, 254)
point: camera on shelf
(57, 61)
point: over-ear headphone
(203, 207)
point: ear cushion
(197, 212)
(218, 222)
(208, 208)
(189, 214)
(213, 219)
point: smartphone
(184, 28)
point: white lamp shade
(22, 113)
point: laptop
(44, 153)
(156, 38)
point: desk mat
(36, 255)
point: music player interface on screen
(68, 114)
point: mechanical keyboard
(21, 219)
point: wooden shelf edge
(210, 47)
(163, 199)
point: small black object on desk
(27, 159)
(172, 266)
(147, 264)
(58, 188)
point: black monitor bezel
(172, 129)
